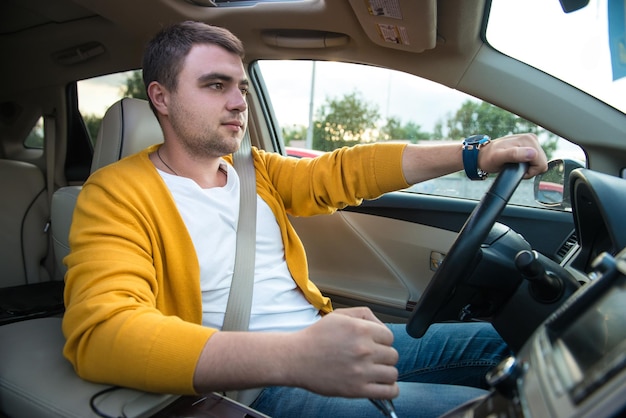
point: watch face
(471, 146)
(477, 140)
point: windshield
(585, 48)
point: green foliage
(394, 129)
(344, 122)
(474, 117)
(481, 117)
(554, 175)
(350, 120)
(35, 137)
(34, 140)
(134, 86)
(293, 133)
(92, 123)
(550, 145)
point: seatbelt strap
(238, 308)
(237, 315)
(49, 138)
(49, 126)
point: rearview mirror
(569, 6)
(552, 187)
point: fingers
(352, 356)
(380, 333)
(359, 312)
(534, 156)
(382, 391)
(514, 149)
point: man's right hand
(347, 353)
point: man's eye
(216, 86)
(244, 91)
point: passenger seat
(35, 379)
(27, 289)
(23, 216)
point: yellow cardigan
(132, 293)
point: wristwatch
(471, 147)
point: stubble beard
(209, 143)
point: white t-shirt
(211, 217)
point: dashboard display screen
(593, 349)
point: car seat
(35, 379)
(128, 127)
(23, 218)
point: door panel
(379, 254)
(371, 258)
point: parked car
(550, 192)
(302, 152)
(549, 275)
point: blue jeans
(441, 370)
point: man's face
(208, 111)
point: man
(152, 255)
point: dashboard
(598, 202)
(574, 364)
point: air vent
(570, 243)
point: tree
(438, 130)
(92, 123)
(35, 137)
(410, 131)
(482, 117)
(293, 133)
(134, 86)
(344, 122)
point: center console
(574, 365)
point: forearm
(349, 345)
(243, 360)
(425, 162)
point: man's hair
(165, 53)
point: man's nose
(237, 101)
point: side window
(96, 95)
(35, 137)
(322, 106)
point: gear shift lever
(544, 286)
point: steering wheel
(456, 264)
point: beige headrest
(128, 126)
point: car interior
(543, 259)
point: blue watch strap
(471, 147)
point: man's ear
(159, 96)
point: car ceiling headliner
(34, 32)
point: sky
(97, 94)
(396, 94)
(573, 47)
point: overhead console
(384, 22)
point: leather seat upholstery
(23, 219)
(128, 126)
(35, 379)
